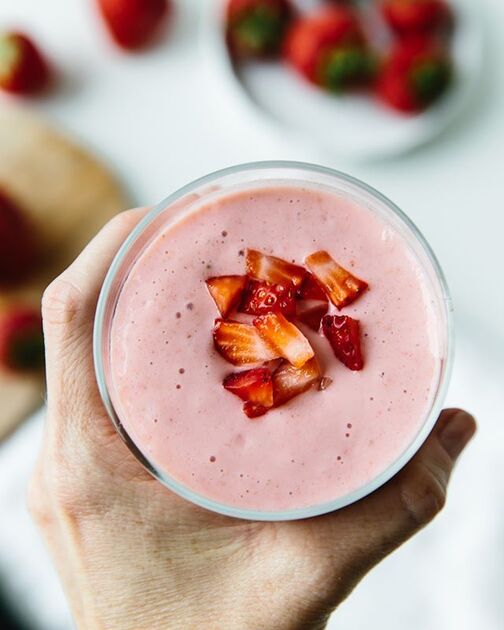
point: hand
(133, 555)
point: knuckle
(60, 302)
(423, 495)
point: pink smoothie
(167, 377)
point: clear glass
(253, 176)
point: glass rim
(297, 513)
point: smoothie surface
(166, 375)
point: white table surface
(161, 120)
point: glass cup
(254, 176)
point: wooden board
(69, 195)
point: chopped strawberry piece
(285, 338)
(272, 269)
(311, 289)
(343, 334)
(226, 292)
(263, 297)
(241, 344)
(253, 410)
(289, 381)
(255, 386)
(311, 312)
(341, 286)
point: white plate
(351, 126)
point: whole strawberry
(413, 17)
(21, 340)
(256, 28)
(417, 74)
(134, 23)
(17, 244)
(329, 49)
(23, 69)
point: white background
(161, 119)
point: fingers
(68, 308)
(380, 523)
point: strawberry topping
(285, 338)
(311, 289)
(262, 297)
(343, 333)
(226, 292)
(272, 269)
(241, 344)
(289, 381)
(340, 285)
(274, 290)
(254, 387)
(311, 312)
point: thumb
(364, 533)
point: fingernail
(456, 433)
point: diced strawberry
(289, 381)
(341, 286)
(253, 410)
(311, 289)
(262, 297)
(311, 312)
(226, 292)
(343, 333)
(254, 386)
(272, 269)
(241, 344)
(285, 338)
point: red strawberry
(329, 49)
(21, 340)
(262, 297)
(288, 341)
(289, 381)
(241, 344)
(255, 387)
(226, 292)
(256, 28)
(343, 333)
(416, 75)
(23, 69)
(411, 17)
(311, 312)
(311, 289)
(17, 245)
(341, 286)
(134, 23)
(272, 269)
